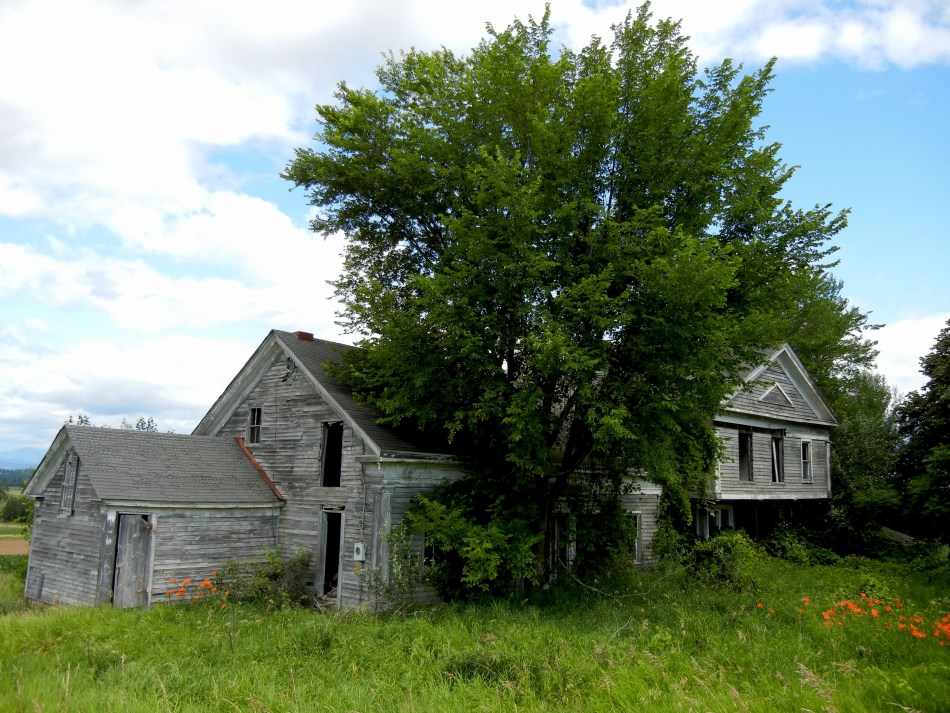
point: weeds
(684, 646)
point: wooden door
(132, 561)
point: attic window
(332, 453)
(254, 425)
(67, 499)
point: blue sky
(147, 243)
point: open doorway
(330, 549)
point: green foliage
(924, 462)
(473, 557)
(727, 560)
(13, 478)
(793, 544)
(556, 259)
(396, 590)
(273, 583)
(16, 508)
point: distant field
(850, 638)
(11, 539)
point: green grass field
(11, 531)
(667, 644)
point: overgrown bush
(273, 583)
(725, 560)
(792, 544)
(397, 592)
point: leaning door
(132, 561)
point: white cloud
(902, 344)
(125, 125)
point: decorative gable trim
(775, 394)
(785, 357)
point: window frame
(746, 474)
(255, 424)
(808, 464)
(332, 454)
(778, 458)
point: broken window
(332, 454)
(67, 498)
(806, 462)
(745, 456)
(778, 466)
(254, 425)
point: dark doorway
(333, 529)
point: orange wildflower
(874, 612)
(759, 605)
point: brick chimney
(304, 336)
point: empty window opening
(778, 467)
(806, 462)
(331, 550)
(745, 457)
(254, 426)
(332, 454)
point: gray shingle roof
(312, 356)
(133, 465)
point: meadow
(856, 636)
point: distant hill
(21, 458)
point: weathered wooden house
(286, 458)
(776, 435)
(120, 512)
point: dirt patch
(14, 547)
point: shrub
(725, 560)
(273, 583)
(398, 592)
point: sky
(148, 243)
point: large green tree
(561, 261)
(924, 463)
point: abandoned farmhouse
(285, 458)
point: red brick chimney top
(304, 336)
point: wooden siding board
(193, 543)
(64, 551)
(749, 400)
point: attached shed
(120, 512)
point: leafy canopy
(924, 459)
(558, 258)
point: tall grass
(664, 643)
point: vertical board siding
(762, 487)
(290, 450)
(64, 551)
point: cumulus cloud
(902, 343)
(127, 127)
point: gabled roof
(310, 356)
(126, 465)
(799, 399)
